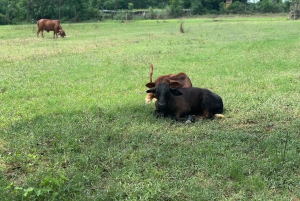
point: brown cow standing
(181, 78)
(50, 25)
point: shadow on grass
(126, 153)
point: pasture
(74, 126)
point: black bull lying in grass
(186, 103)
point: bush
(176, 8)
(150, 13)
(91, 14)
(236, 8)
(197, 8)
(266, 6)
(2, 19)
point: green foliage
(176, 7)
(266, 6)
(19, 11)
(2, 19)
(151, 13)
(197, 8)
(130, 6)
(236, 8)
(49, 188)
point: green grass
(73, 124)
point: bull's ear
(150, 85)
(175, 85)
(152, 90)
(175, 92)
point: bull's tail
(221, 116)
(151, 71)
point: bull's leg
(184, 116)
(181, 118)
(207, 113)
(43, 34)
(38, 32)
(190, 119)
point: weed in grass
(181, 28)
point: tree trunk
(75, 13)
(294, 11)
(28, 10)
(59, 3)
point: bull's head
(62, 33)
(163, 92)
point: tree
(59, 4)
(130, 6)
(197, 8)
(112, 4)
(295, 9)
(267, 6)
(176, 7)
(14, 11)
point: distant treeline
(17, 11)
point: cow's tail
(221, 116)
(151, 71)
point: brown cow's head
(62, 33)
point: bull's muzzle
(161, 105)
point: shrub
(236, 8)
(197, 8)
(266, 6)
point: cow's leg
(184, 115)
(38, 32)
(207, 113)
(43, 34)
(181, 117)
(190, 119)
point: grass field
(74, 126)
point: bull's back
(197, 96)
(48, 25)
(193, 97)
(40, 23)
